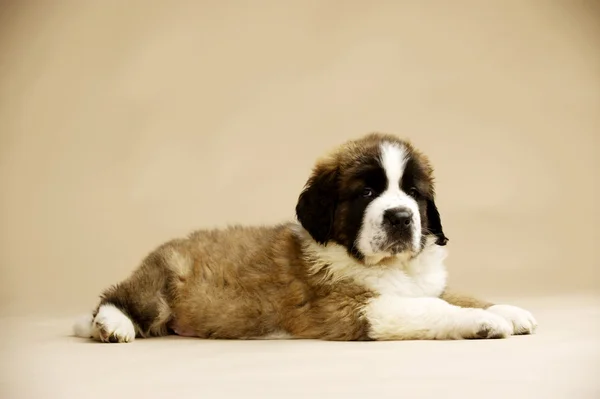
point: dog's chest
(425, 276)
(407, 283)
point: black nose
(398, 217)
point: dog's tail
(83, 326)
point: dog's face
(374, 196)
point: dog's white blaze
(372, 234)
(393, 160)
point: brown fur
(240, 282)
(464, 301)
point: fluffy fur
(364, 262)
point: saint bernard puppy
(365, 262)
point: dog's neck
(403, 273)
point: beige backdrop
(124, 124)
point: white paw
(112, 325)
(481, 324)
(521, 320)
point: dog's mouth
(397, 247)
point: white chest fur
(423, 276)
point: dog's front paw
(481, 324)
(521, 320)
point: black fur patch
(317, 204)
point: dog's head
(375, 197)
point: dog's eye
(367, 192)
(413, 192)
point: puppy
(364, 262)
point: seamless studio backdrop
(126, 124)
(122, 126)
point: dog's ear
(317, 203)
(434, 223)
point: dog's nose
(399, 217)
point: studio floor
(41, 360)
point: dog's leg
(138, 306)
(397, 318)
(521, 320)
(464, 301)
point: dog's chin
(390, 253)
(400, 248)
